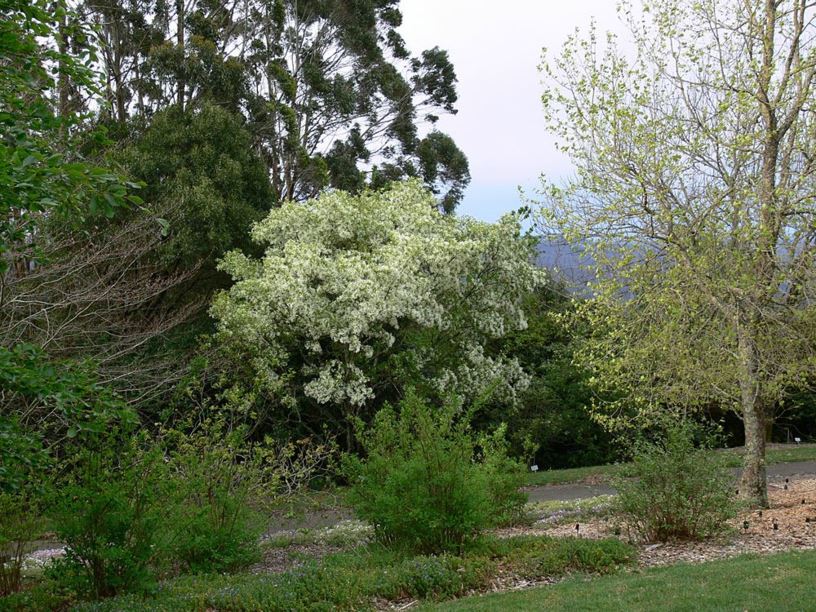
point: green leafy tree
(41, 173)
(202, 176)
(694, 191)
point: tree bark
(754, 482)
(62, 81)
(180, 42)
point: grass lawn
(786, 454)
(777, 582)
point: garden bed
(793, 532)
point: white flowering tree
(359, 296)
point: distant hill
(566, 263)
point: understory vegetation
(676, 490)
(427, 483)
(356, 580)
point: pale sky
(495, 48)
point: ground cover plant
(356, 580)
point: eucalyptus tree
(335, 95)
(695, 157)
(328, 89)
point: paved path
(565, 492)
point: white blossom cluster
(343, 274)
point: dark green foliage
(47, 408)
(675, 490)
(551, 425)
(329, 90)
(202, 175)
(427, 483)
(442, 163)
(21, 456)
(21, 522)
(129, 509)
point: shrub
(23, 462)
(20, 524)
(109, 512)
(676, 490)
(504, 476)
(424, 484)
(214, 478)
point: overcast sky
(495, 48)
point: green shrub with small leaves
(427, 482)
(21, 522)
(215, 479)
(676, 488)
(110, 512)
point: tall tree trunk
(62, 81)
(180, 43)
(754, 483)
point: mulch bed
(786, 509)
(277, 560)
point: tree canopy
(357, 297)
(695, 157)
(328, 90)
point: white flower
(354, 272)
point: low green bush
(427, 483)
(214, 479)
(21, 522)
(109, 511)
(676, 488)
(532, 557)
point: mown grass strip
(775, 582)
